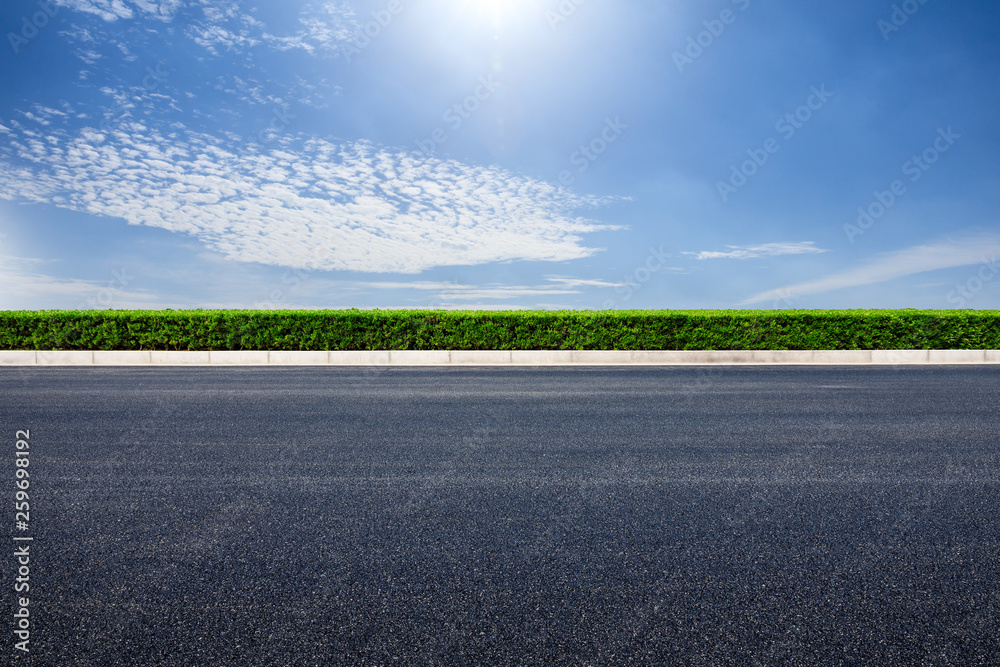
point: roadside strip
(497, 358)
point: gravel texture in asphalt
(667, 516)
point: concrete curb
(498, 358)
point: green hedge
(513, 330)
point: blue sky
(542, 154)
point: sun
(494, 9)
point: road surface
(685, 516)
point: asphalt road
(669, 516)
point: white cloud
(78, 33)
(450, 293)
(756, 251)
(500, 292)
(249, 91)
(324, 28)
(112, 10)
(581, 282)
(46, 111)
(304, 203)
(224, 24)
(89, 56)
(919, 259)
(210, 36)
(457, 306)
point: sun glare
(496, 11)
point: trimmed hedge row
(512, 330)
